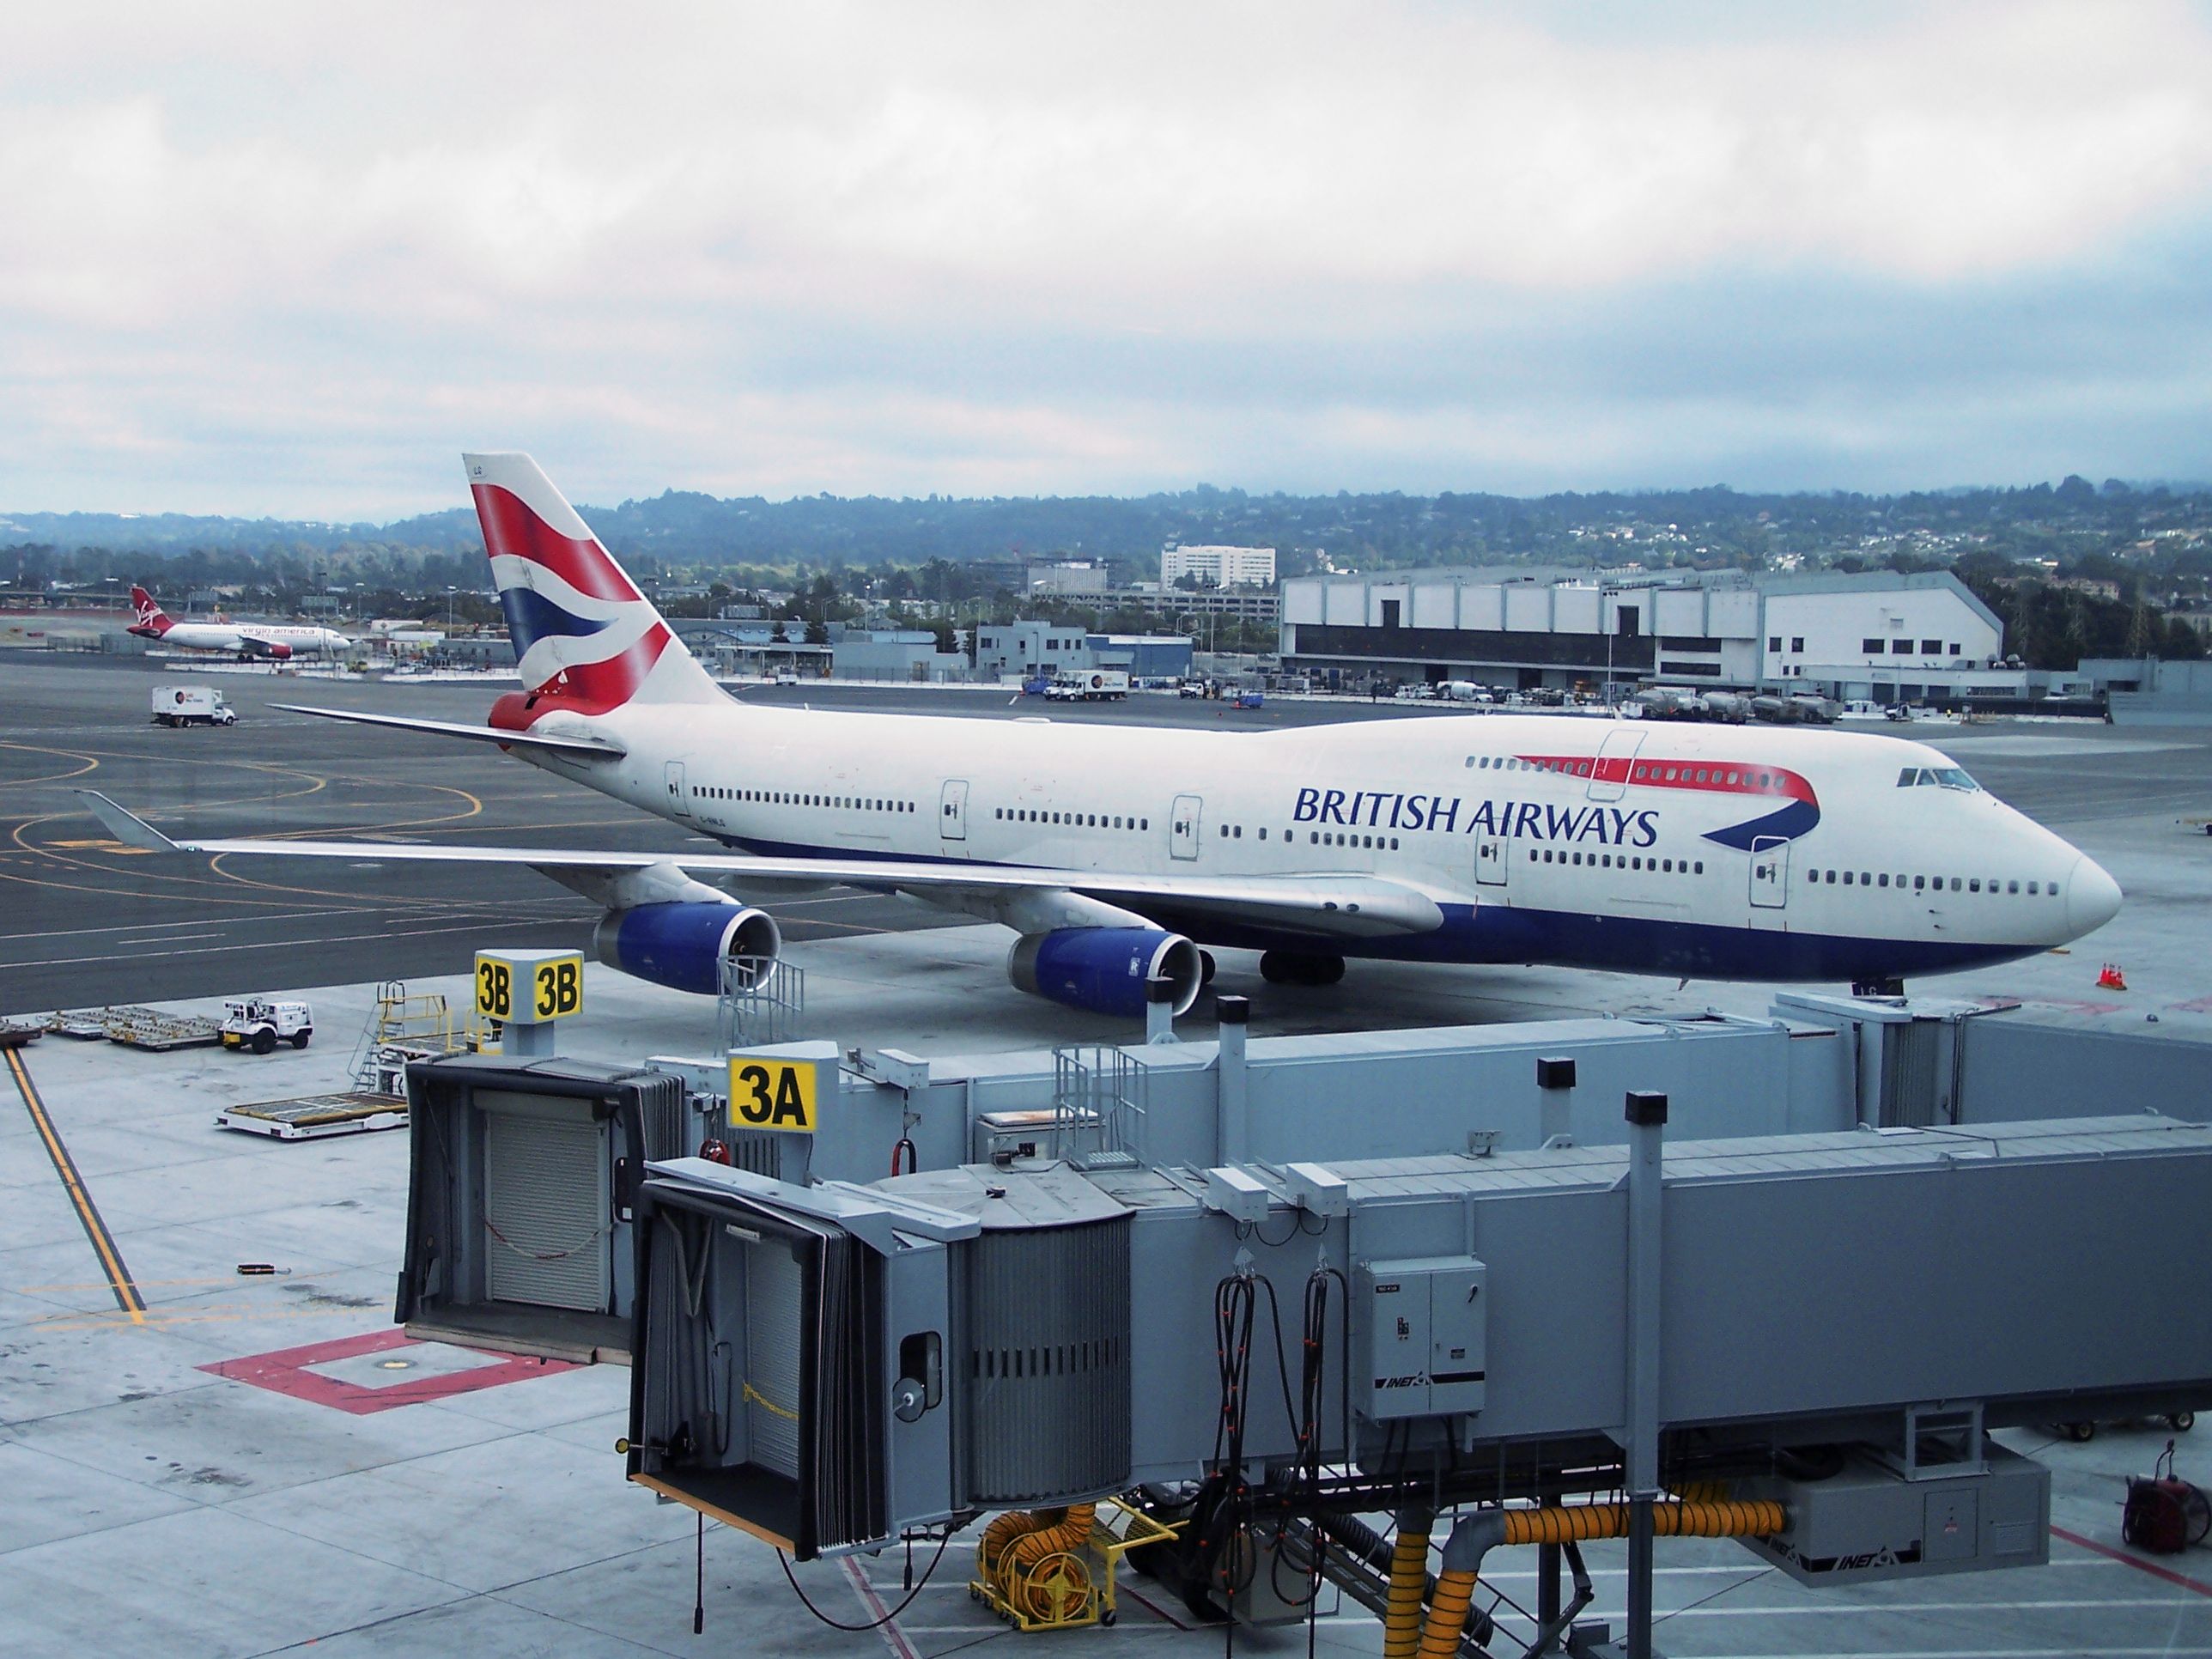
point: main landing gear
(1300, 968)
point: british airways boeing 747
(1116, 853)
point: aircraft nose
(2092, 897)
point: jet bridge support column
(1234, 1014)
(1647, 1128)
(1159, 1009)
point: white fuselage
(1711, 852)
(240, 640)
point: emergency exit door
(1610, 776)
(1489, 858)
(1770, 873)
(1182, 826)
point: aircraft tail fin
(152, 619)
(585, 638)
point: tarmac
(195, 1461)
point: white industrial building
(1878, 634)
(1218, 567)
(1068, 576)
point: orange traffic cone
(2112, 979)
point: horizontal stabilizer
(598, 747)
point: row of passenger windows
(787, 798)
(1515, 764)
(1930, 884)
(1646, 772)
(1617, 862)
(1076, 820)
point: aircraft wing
(1328, 906)
(598, 747)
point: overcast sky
(291, 258)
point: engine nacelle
(683, 945)
(1103, 970)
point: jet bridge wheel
(1300, 968)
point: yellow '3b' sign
(773, 1094)
(523, 987)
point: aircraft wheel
(1206, 969)
(2182, 1422)
(1327, 970)
(1279, 967)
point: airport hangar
(276, 1461)
(1879, 636)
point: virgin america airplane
(247, 641)
(1116, 853)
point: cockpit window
(1947, 777)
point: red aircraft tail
(152, 622)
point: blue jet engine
(683, 945)
(1103, 970)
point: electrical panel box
(1865, 1521)
(1418, 1337)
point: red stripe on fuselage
(1706, 777)
(510, 527)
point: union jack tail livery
(153, 622)
(584, 639)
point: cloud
(268, 256)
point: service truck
(1088, 685)
(192, 705)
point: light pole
(450, 592)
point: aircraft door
(679, 798)
(1609, 777)
(952, 809)
(1182, 826)
(1490, 861)
(1770, 873)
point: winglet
(127, 827)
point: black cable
(1282, 1360)
(699, 1584)
(783, 1560)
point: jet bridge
(1827, 1323)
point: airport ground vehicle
(1088, 685)
(191, 705)
(786, 677)
(258, 1024)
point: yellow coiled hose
(1572, 1524)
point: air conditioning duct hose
(1475, 1537)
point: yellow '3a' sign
(767, 1093)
